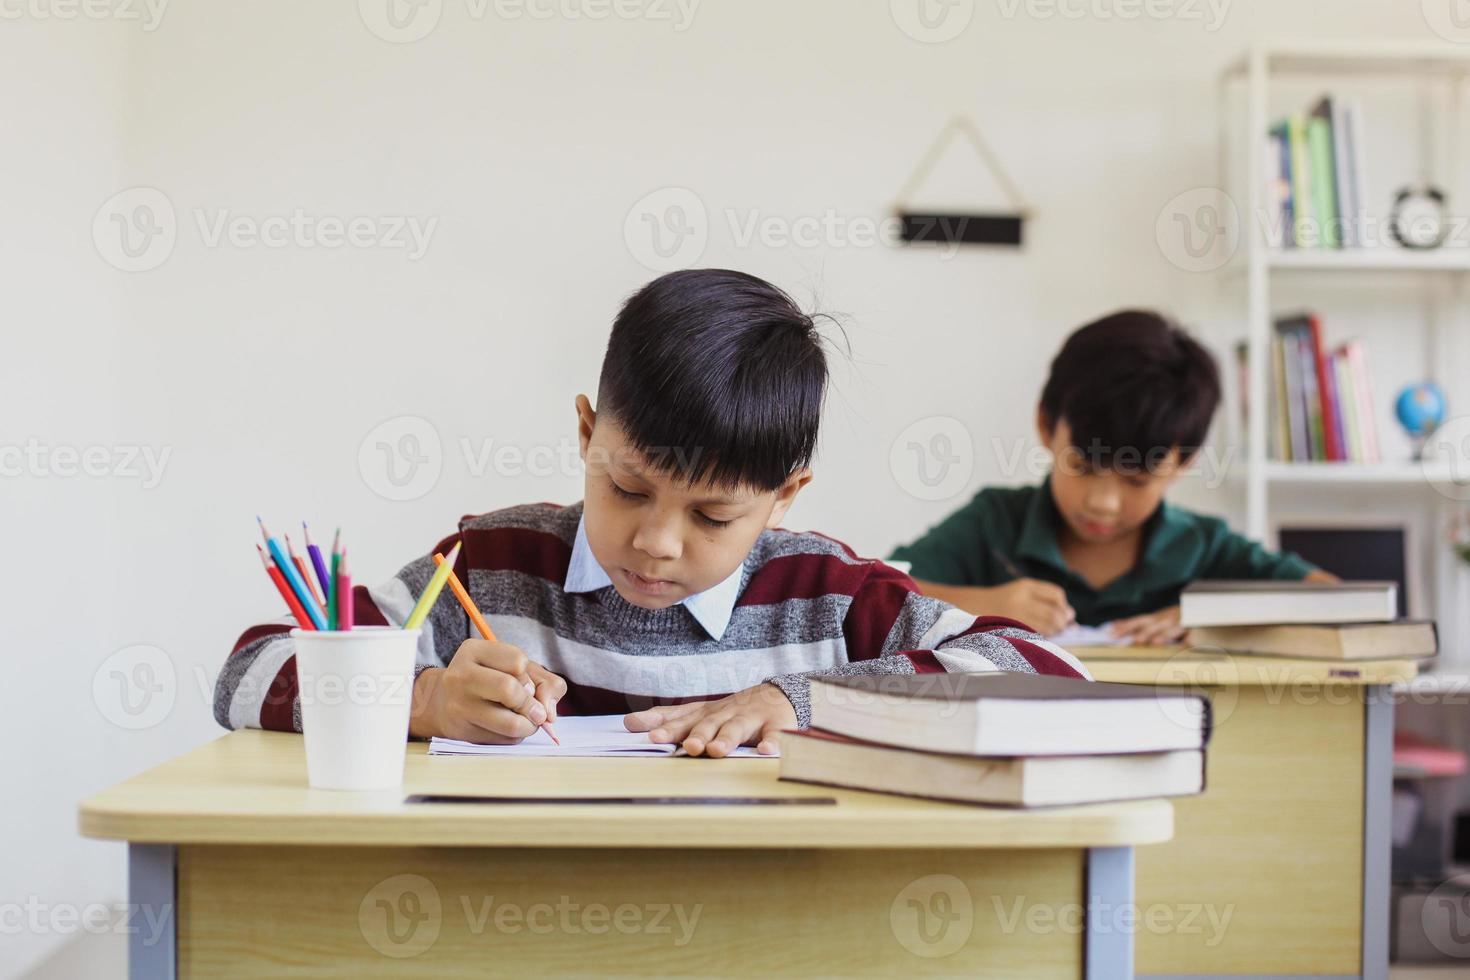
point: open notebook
(595, 735)
(1078, 635)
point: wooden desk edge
(1132, 823)
(1182, 665)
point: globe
(1420, 408)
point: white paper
(581, 735)
(1077, 635)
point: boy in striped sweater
(669, 593)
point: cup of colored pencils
(355, 682)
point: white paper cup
(356, 692)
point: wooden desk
(273, 879)
(1291, 836)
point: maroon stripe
(874, 611)
(365, 611)
(275, 708)
(1042, 659)
(802, 577)
(256, 633)
(515, 549)
(924, 661)
(475, 517)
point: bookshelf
(1438, 71)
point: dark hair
(717, 374)
(1133, 380)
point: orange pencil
(305, 571)
(473, 611)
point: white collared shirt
(711, 608)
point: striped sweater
(806, 605)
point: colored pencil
(463, 595)
(332, 589)
(292, 576)
(432, 590)
(292, 603)
(306, 575)
(317, 563)
(344, 595)
(473, 611)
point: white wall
(263, 370)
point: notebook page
(581, 735)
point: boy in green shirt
(1124, 412)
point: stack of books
(1019, 740)
(1322, 398)
(1316, 178)
(1346, 621)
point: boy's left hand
(1153, 629)
(717, 728)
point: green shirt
(1006, 533)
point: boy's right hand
(482, 696)
(1040, 605)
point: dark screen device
(1354, 554)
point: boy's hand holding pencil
(490, 693)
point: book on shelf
(1321, 152)
(1316, 178)
(1267, 602)
(1322, 402)
(1355, 354)
(815, 756)
(1327, 641)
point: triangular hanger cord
(962, 125)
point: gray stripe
(602, 618)
(548, 518)
(228, 682)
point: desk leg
(1108, 954)
(153, 912)
(1377, 800)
